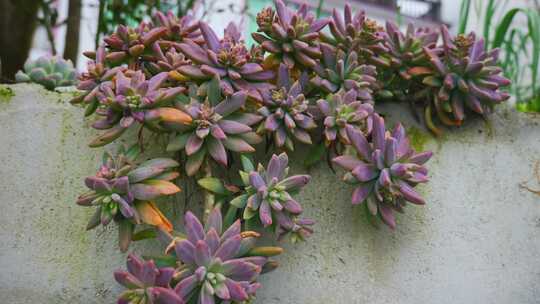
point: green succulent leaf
(213, 185)
(162, 260)
(247, 163)
(214, 91)
(149, 233)
(239, 201)
(315, 155)
(178, 142)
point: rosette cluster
(217, 265)
(406, 60)
(50, 72)
(285, 111)
(123, 190)
(213, 101)
(146, 283)
(127, 44)
(129, 98)
(227, 58)
(214, 130)
(344, 110)
(267, 197)
(355, 32)
(339, 70)
(385, 170)
(290, 36)
(465, 77)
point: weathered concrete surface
(477, 240)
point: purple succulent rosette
(129, 98)
(290, 36)
(169, 61)
(340, 70)
(298, 229)
(355, 32)
(465, 76)
(120, 182)
(214, 130)
(268, 197)
(97, 72)
(341, 111)
(227, 58)
(385, 171)
(218, 266)
(146, 283)
(405, 62)
(405, 50)
(127, 44)
(286, 112)
(178, 29)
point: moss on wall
(6, 93)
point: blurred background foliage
(503, 27)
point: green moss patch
(418, 138)
(6, 93)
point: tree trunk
(18, 20)
(71, 49)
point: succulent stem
(209, 199)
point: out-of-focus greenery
(520, 46)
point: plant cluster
(216, 101)
(50, 72)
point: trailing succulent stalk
(209, 199)
(215, 100)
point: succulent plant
(356, 33)
(177, 28)
(96, 73)
(227, 58)
(339, 70)
(465, 76)
(215, 128)
(168, 61)
(298, 229)
(406, 50)
(127, 44)
(122, 190)
(289, 36)
(285, 109)
(50, 72)
(343, 110)
(268, 196)
(146, 283)
(216, 266)
(385, 171)
(129, 98)
(405, 61)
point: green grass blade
(503, 27)
(319, 8)
(464, 16)
(533, 22)
(490, 11)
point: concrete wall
(477, 240)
